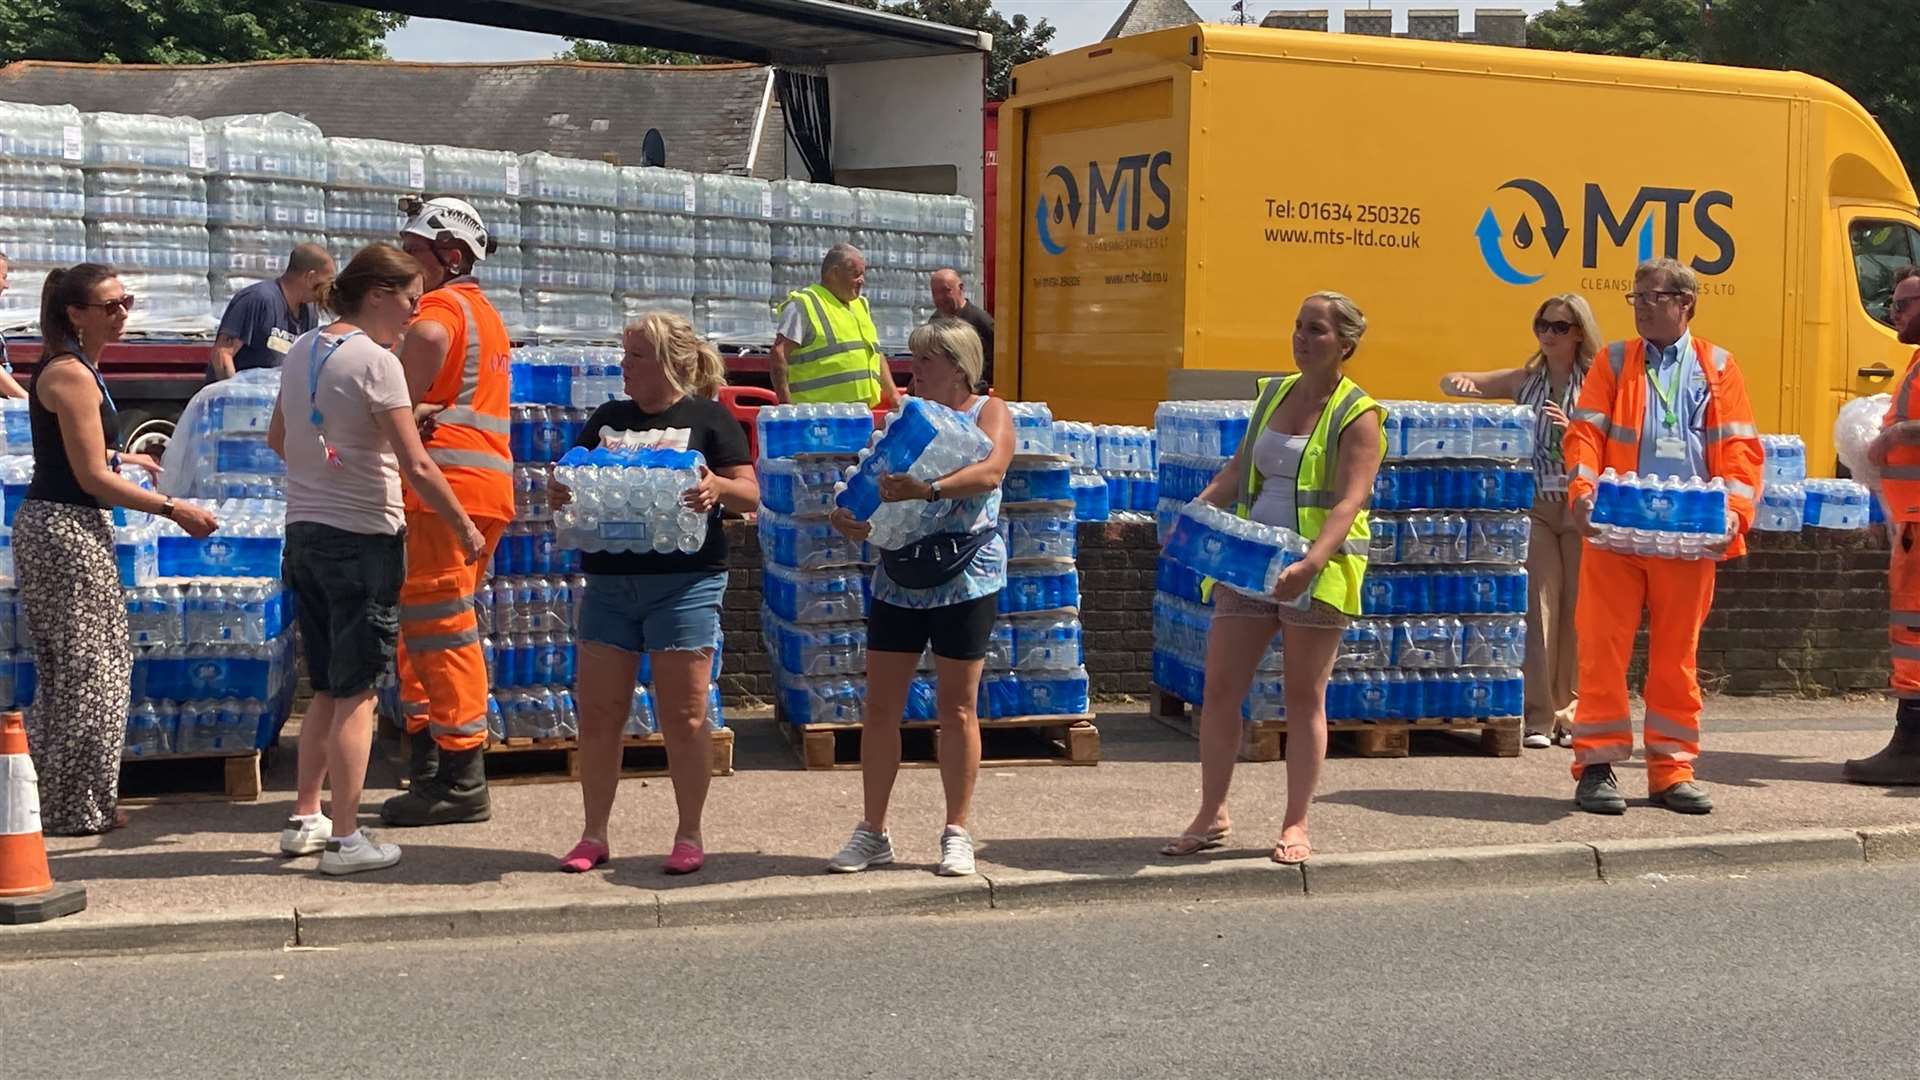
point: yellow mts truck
(1167, 200)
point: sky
(1079, 22)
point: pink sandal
(685, 859)
(585, 855)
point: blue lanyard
(315, 362)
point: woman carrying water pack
(942, 592)
(1307, 463)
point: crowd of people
(393, 421)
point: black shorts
(957, 631)
(346, 589)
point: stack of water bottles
(1036, 661)
(923, 440)
(42, 201)
(1193, 441)
(1783, 492)
(567, 237)
(808, 219)
(1129, 463)
(213, 664)
(1838, 504)
(906, 237)
(219, 449)
(654, 240)
(814, 584)
(365, 181)
(628, 499)
(489, 181)
(733, 269)
(265, 195)
(147, 214)
(1665, 518)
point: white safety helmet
(446, 219)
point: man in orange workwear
(1897, 453)
(456, 356)
(1673, 405)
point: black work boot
(1898, 765)
(424, 765)
(1599, 792)
(455, 795)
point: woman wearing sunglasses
(63, 545)
(1568, 336)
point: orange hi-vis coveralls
(1900, 493)
(442, 668)
(1605, 433)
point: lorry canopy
(785, 32)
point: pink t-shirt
(361, 492)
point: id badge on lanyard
(316, 360)
(1670, 443)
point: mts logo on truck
(1115, 202)
(1601, 220)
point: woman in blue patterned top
(956, 574)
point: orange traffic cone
(27, 891)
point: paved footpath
(197, 875)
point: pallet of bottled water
(630, 499)
(1659, 517)
(796, 488)
(1782, 508)
(1244, 555)
(160, 729)
(801, 431)
(1836, 504)
(1449, 539)
(1037, 479)
(808, 543)
(923, 440)
(219, 449)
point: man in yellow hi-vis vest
(826, 348)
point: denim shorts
(641, 613)
(346, 589)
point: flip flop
(1194, 843)
(1280, 852)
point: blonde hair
(1349, 322)
(951, 340)
(1584, 318)
(692, 367)
(1678, 275)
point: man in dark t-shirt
(262, 320)
(950, 300)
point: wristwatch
(166, 509)
(933, 491)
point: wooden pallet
(557, 761)
(1026, 740)
(231, 776)
(1266, 740)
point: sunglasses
(1558, 326)
(1648, 299)
(125, 303)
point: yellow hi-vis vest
(841, 361)
(1339, 583)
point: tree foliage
(190, 31)
(1015, 41)
(1866, 47)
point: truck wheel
(145, 433)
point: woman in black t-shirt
(665, 606)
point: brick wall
(1803, 613)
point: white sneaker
(305, 837)
(1564, 739)
(1536, 741)
(865, 848)
(956, 852)
(347, 858)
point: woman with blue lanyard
(63, 550)
(344, 423)
(941, 593)
(1567, 336)
(1307, 463)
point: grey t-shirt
(360, 494)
